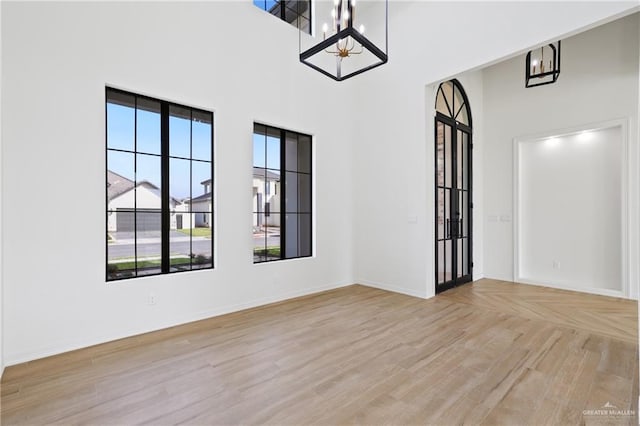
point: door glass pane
(447, 156)
(465, 257)
(441, 105)
(179, 132)
(460, 257)
(440, 153)
(448, 263)
(447, 90)
(440, 214)
(441, 262)
(463, 115)
(465, 160)
(459, 155)
(465, 211)
(447, 213)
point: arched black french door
(453, 187)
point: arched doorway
(453, 187)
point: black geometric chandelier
(354, 37)
(543, 65)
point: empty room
(319, 212)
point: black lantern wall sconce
(543, 65)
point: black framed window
(295, 12)
(282, 214)
(159, 198)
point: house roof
(202, 197)
(117, 184)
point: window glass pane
(292, 235)
(304, 235)
(291, 152)
(120, 121)
(120, 253)
(179, 132)
(149, 247)
(148, 126)
(201, 135)
(463, 116)
(259, 150)
(180, 243)
(291, 188)
(201, 185)
(273, 152)
(304, 193)
(201, 241)
(179, 180)
(441, 105)
(148, 181)
(259, 238)
(120, 180)
(304, 154)
(259, 187)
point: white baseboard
(560, 286)
(394, 289)
(176, 321)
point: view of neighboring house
(146, 199)
(200, 207)
(266, 198)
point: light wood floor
(489, 352)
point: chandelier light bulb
(333, 13)
(346, 15)
(325, 27)
(361, 29)
(335, 2)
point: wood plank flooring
(486, 353)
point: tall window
(159, 186)
(281, 194)
(295, 12)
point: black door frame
(468, 130)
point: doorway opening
(453, 187)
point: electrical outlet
(152, 299)
(556, 264)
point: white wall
(57, 59)
(568, 211)
(598, 83)
(393, 148)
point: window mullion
(164, 200)
(283, 196)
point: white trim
(625, 207)
(560, 286)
